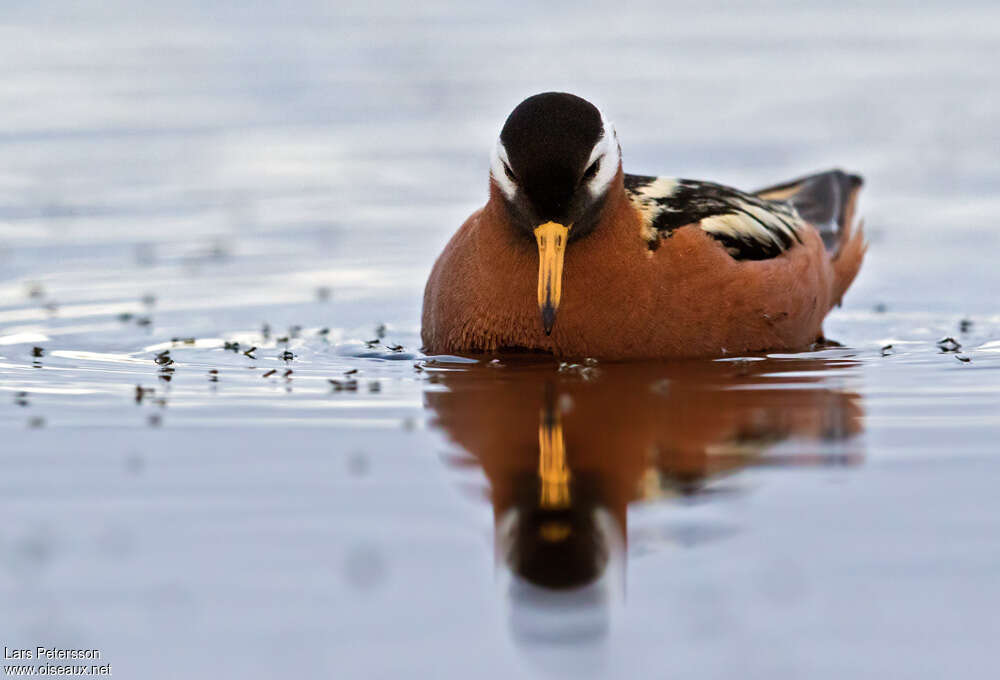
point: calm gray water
(176, 177)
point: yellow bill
(551, 238)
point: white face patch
(498, 164)
(609, 154)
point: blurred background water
(179, 176)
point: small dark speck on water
(163, 358)
(880, 308)
(887, 350)
(232, 346)
(21, 399)
(154, 420)
(324, 332)
(287, 373)
(323, 293)
(396, 348)
(135, 463)
(949, 344)
(36, 422)
(265, 331)
(35, 291)
(294, 331)
(358, 464)
(374, 386)
(283, 339)
(149, 299)
(141, 393)
(144, 321)
(349, 385)
(418, 368)
(286, 356)
(496, 363)
(964, 359)
(965, 325)
(364, 567)
(249, 353)
(371, 344)
(380, 331)
(125, 316)
(37, 352)
(268, 374)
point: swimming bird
(574, 257)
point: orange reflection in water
(566, 451)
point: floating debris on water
(287, 373)
(268, 374)
(374, 386)
(349, 385)
(35, 291)
(964, 359)
(144, 321)
(949, 344)
(37, 352)
(380, 331)
(283, 340)
(142, 392)
(395, 348)
(590, 361)
(232, 346)
(495, 363)
(21, 399)
(286, 356)
(965, 325)
(183, 341)
(249, 353)
(323, 332)
(887, 350)
(213, 375)
(418, 368)
(351, 371)
(372, 344)
(36, 422)
(163, 358)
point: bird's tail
(828, 201)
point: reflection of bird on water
(558, 450)
(565, 454)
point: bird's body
(661, 268)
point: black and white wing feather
(750, 226)
(747, 226)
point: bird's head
(554, 163)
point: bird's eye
(592, 171)
(509, 173)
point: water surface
(182, 183)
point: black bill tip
(548, 318)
